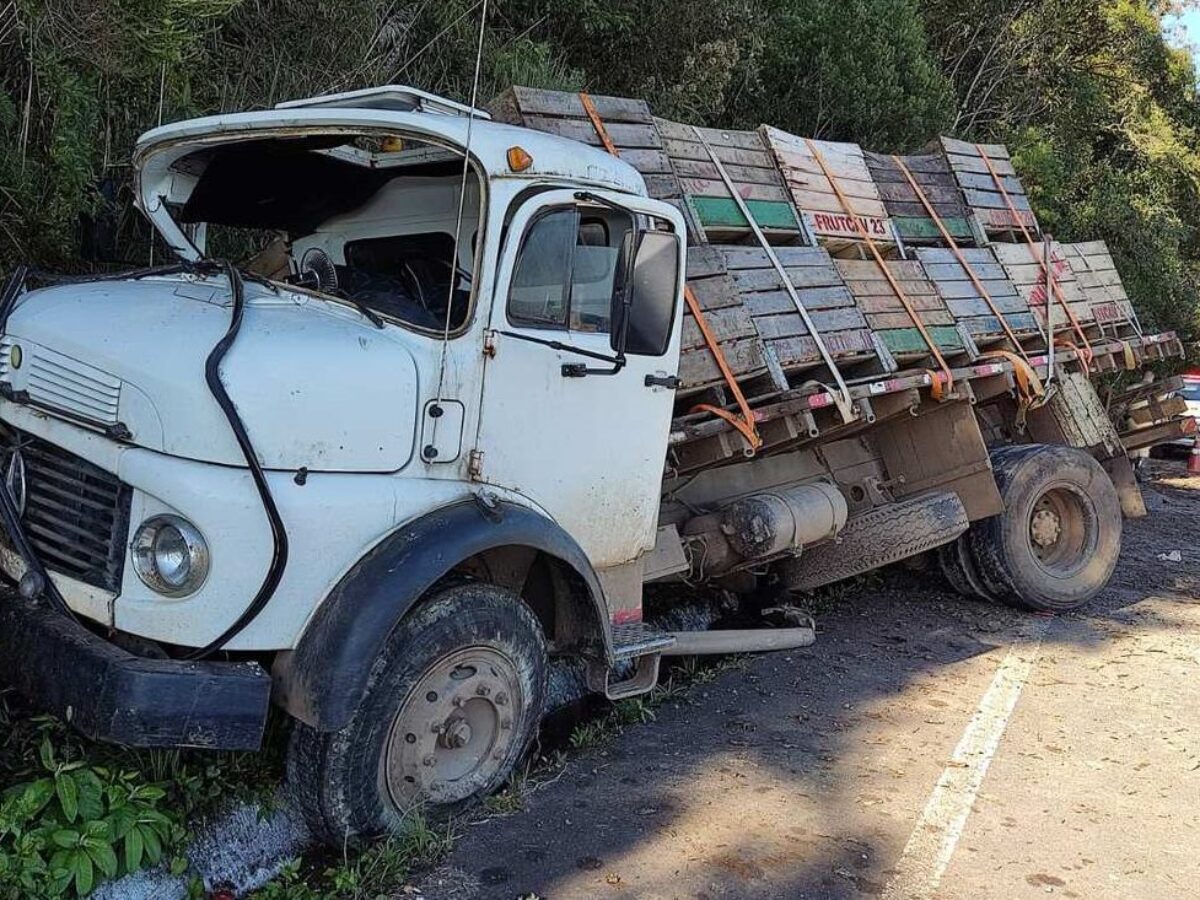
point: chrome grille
(76, 515)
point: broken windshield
(370, 219)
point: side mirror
(649, 312)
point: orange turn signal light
(518, 159)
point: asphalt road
(926, 747)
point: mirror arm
(573, 370)
(589, 197)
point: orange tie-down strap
(958, 255)
(1051, 284)
(597, 123)
(943, 383)
(746, 425)
(1029, 384)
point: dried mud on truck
(488, 374)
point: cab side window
(570, 270)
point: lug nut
(430, 761)
(506, 724)
(458, 701)
(483, 690)
(501, 698)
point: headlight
(170, 556)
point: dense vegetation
(1101, 111)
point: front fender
(323, 679)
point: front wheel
(1056, 544)
(452, 705)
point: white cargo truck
(427, 440)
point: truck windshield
(369, 219)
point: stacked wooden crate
(1097, 275)
(751, 169)
(885, 312)
(674, 159)
(936, 182)
(629, 124)
(965, 301)
(815, 193)
(755, 319)
(1026, 269)
(980, 170)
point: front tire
(1056, 544)
(450, 709)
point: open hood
(361, 133)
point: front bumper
(109, 694)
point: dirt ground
(925, 747)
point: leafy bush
(77, 824)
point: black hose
(10, 515)
(212, 375)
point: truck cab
(379, 468)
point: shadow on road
(802, 775)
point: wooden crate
(628, 122)
(968, 307)
(1097, 275)
(1029, 276)
(755, 319)
(750, 166)
(822, 212)
(909, 217)
(980, 193)
(886, 315)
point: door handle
(671, 382)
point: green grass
(378, 869)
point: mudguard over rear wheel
(451, 707)
(1056, 544)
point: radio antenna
(462, 199)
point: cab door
(567, 420)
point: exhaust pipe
(753, 640)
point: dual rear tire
(1056, 544)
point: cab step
(635, 639)
(634, 642)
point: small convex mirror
(652, 289)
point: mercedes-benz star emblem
(14, 480)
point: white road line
(931, 846)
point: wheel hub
(1046, 528)
(454, 731)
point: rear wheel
(1056, 544)
(452, 705)
(959, 570)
